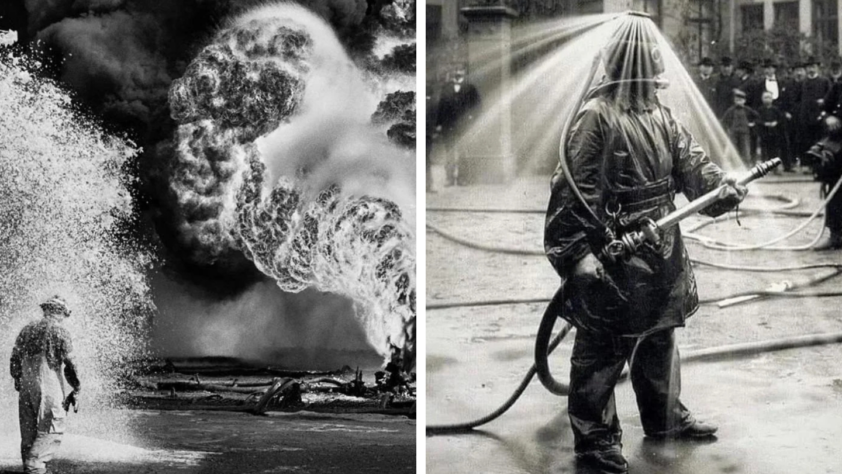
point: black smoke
(397, 111)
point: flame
(271, 116)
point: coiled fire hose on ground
(545, 346)
(689, 234)
(712, 353)
(713, 244)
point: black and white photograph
(633, 236)
(208, 236)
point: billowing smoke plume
(397, 111)
(104, 42)
(121, 55)
(287, 174)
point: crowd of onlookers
(793, 113)
(767, 110)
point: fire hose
(716, 245)
(648, 233)
(620, 248)
(712, 353)
(544, 346)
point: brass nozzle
(759, 170)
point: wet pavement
(777, 412)
(223, 443)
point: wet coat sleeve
(69, 364)
(569, 228)
(693, 171)
(16, 364)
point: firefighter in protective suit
(628, 156)
(40, 351)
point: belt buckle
(613, 214)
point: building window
(826, 21)
(434, 23)
(786, 15)
(585, 7)
(752, 17)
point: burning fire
(272, 116)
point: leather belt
(643, 197)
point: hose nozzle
(760, 170)
(628, 243)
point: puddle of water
(87, 449)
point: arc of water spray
(562, 69)
(488, 57)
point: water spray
(66, 205)
(586, 94)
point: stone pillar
(805, 16)
(839, 26)
(768, 15)
(486, 156)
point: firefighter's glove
(72, 399)
(735, 192)
(589, 268)
(591, 278)
(730, 196)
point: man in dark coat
(768, 83)
(746, 81)
(725, 85)
(458, 106)
(813, 90)
(751, 86)
(789, 105)
(835, 71)
(772, 139)
(627, 153)
(706, 82)
(829, 169)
